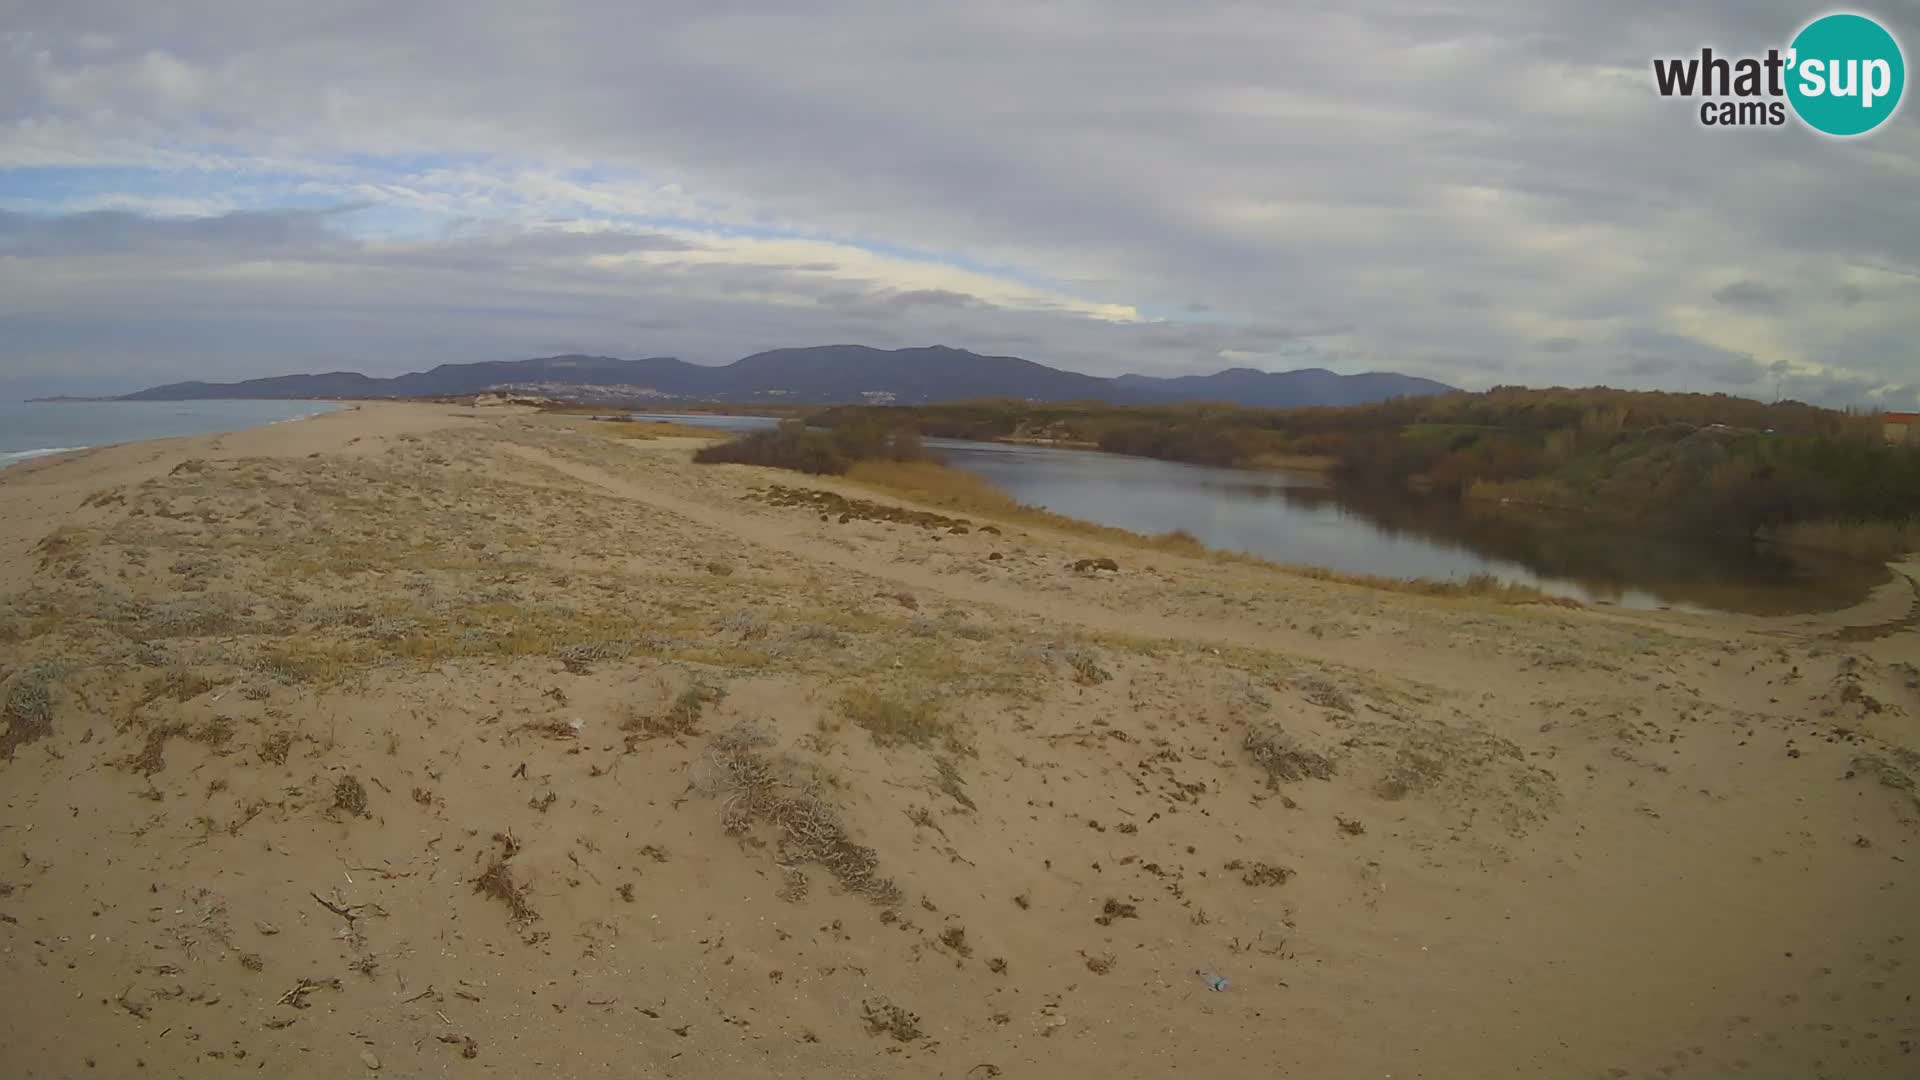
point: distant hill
(1305, 386)
(684, 378)
(824, 375)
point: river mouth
(1298, 518)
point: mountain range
(822, 375)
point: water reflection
(1296, 518)
(1614, 565)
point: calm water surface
(1298, 518)
(31, 429)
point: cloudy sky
(1481, 192)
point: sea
(31, 429)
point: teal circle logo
(1846, 74)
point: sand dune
(422, 740)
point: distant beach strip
(12, 456)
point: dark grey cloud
(1750, 294)
(1559, 345)
(1735, 371)
(933, 298)
(1644, 364)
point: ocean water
(30, 429)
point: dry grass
(192, 618)
(1283, 757)
(1411, 773)
(951, 783)
(152, 757)
(892, 722)
(652, 429)
(350, 796)
(885, 1018)
(955, 489)
(28, 708)
(580, 656)
(808, 830)
(497, 881)
(489, 629)
(936, 485)
(181, 683)
(1086, 666)
(274, 748)
(331, 614)
(678, 719)
(1897, 775)
(63, 544)
(1263, 874)
(318, 661)
(1868, 541)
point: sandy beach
(428, 740)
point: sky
(1482, 193)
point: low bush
(794, 446)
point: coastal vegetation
(890, 461)
(1692, 463)
(794, 446)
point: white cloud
(1072, 172)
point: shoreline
(9, 458)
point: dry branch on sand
(885, 1018)
(497, 881)
(680, 718)
(1283, 757)
(350, 795)
(808, 830)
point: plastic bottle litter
(1214, 982)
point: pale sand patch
(418, 734)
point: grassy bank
(927, 482)
(1684, 463)
(827, 453)
(933, 484)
